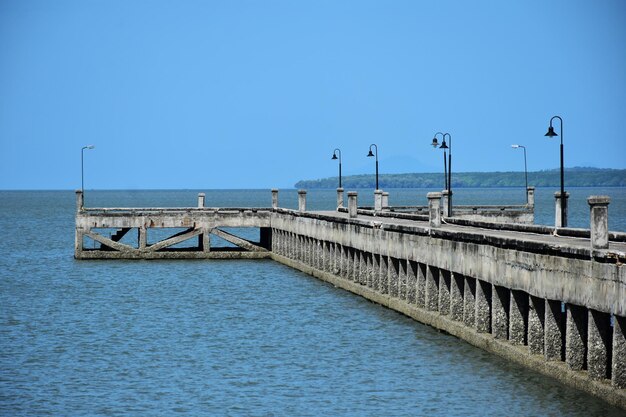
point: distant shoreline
(574, 177)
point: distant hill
(574, 177)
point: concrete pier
(556, 304)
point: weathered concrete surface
(483, 307)
(536, 323)
(575, 337)
(540, 265)
(456, 297)
(500, 300)
(485, 341)
(598, 344)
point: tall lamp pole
(335, 157)
(371, 154)
(551, 133)
(446, 169)
(82, 165)
(525, 167)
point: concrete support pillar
(341, 256)
(394, 276)
(420, 289)
(332, 258)
(301, 200)
(205, 240)
(306, 250)
(469, 302)
(340, 197)
(402, 279)
(384, 274)
(518, 317)
(554, 331)
(456, 296)
(558, 222)
(483, 307)
(618, 353)
(362, 268)
(369, 259)
(599, 222)
(530, 196)
(598, 344)
(376, 272)
(434, 209)
(385, 200)
(444, 292)
(353, 271)
(142, 237)
(500, 304)
(411, 281)
(298, 247)
(327, 257)
(444, 203)
(315, 253)
(78, 242)
(352, 204)
(201, 200)
(378, 200)
(576, 337)
(289, 244)
(536, 323)
(432, 288)
(80, 201)
(274, 198)
(280, 242)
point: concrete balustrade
(339, 197)
(80, 202)
(352, 204)
(446, 203)
(378, 200)
(385, 201)
(599, 222)
(301, 200)
(560, 222)
(530, 196)
(434, 209)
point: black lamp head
(443, 145)
(370, 153)
(435, 142)
(334, 156)
(551, 133)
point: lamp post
(82, 170)
(371, 154)
(525, 167)
(444, 146)
(551, 133)
(335, 157)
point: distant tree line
(574, 177)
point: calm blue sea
(237, 338)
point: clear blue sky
(253, 94)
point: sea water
(237, 337)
